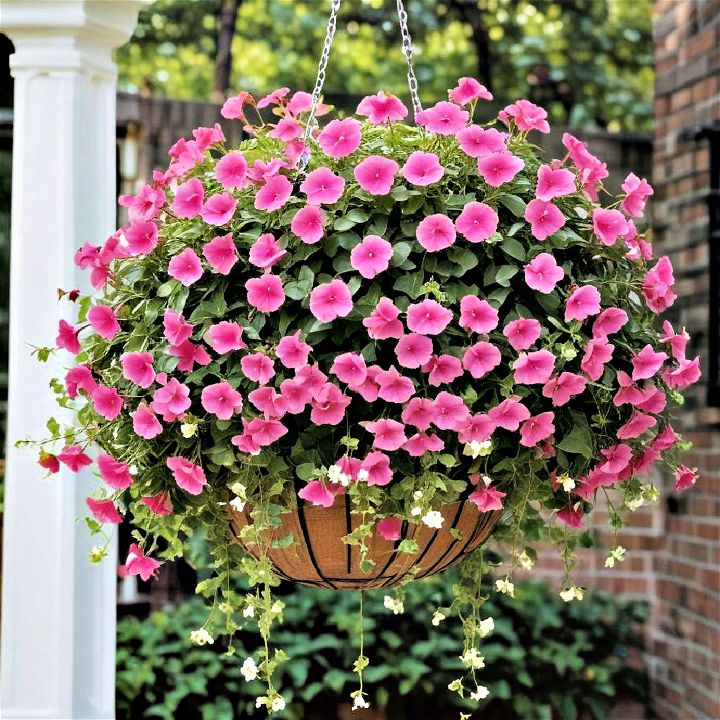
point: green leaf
(411, 284)
(513, 248)
(514, 204)
(504, 274)
(579, 440)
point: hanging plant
(350, 353)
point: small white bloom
(418, 494)
(277, 607)
(476, 449)
(97, 554)
(237, 504)
(480, 694)
(633, 504)
(566, 481)
(133, 469)
(416, 511)
(359, 702)
(506, 587)
(249, 671)
(396, 606)
(433, 519)
(261, 701)
(650, 493)
(525, 561)
(616, 555)
(437, 618)
(278, 704)
(201, 637)
(337, 476)
(473, 659)
(572, 593)
(363, 475)
(487, 480)
(249, 611)
(485, 627)
(456, 686)
(225, 607)
(188, 429)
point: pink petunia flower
(377, 465)
(561, 388)
(499, 167)
(287, 129)
(537, 428)
(316, 493)
(292, 352)
(609, 225)
(312, 376)
(451, 413)
(308, 224)
(527, 116)
(138, 368)
(207, 136)
(389, 434)
(584, 302)
(323, 186)
(422, 169)
(477, 222)
(542, 273)
(478, 428)
(413, 350)
(276, 97)
(393, 386)
(219, 209)
(159, 504)
(225, 336)
(261, 171)
(428, 317)
(390, 528)
(636, 193)
(67, 337)
(107, 402)
(77, 378)
(104, 511)
(188, 200)
(481, 358)
(421, 443)
(74, 458)
(382, 108)
(468, 90)
(637, 424)
(554, 182)
(115, 473)
(617, 458)
(349, 368)
(657, 286)
(419, 412)
(487, 499)
(478, 142)
(330, 300)
(340, 138)
(141, 237)
(545, 218)
(677, 341)
(534, 368)
(477, 315)
(221, 399)
(509, 413)
(188, 476)
(232, 109)
(190, 355)
(267, 400)
(686, 373)
(221, 253)
(263, 432)
(266, 293)
(176, 329)
(145, 423)
(145, 205)
(598, 351)
(443, 118)
(522, 333)
(265, 252)
(273, 194)
(442, 369)
(376, 174)
(171, 401)
(138, 563)
(371, 256)
(609, 321)
(383, 323)
(647, 363)
(685, 477)
(185, 267)
(231, 170)
(257, 367)
(435, 232)
(328, 405)
(103, 321)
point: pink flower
(451, 413)
(636, 193)
(468, 90)
(499, 167)
(383, 322)
(478, 428)
(377, 465)
(428, 317)
(171, 401)
(545, 219)
(328, 405)
(273, 194)
(420, 443)
(527, 116)
(293, 352)
(331, 300)
(107, 402)
(308, 224)
(265, 293)
(141, 237)
(657, 286)
(276, 97)
(188, 476)
(190, 354)
(542, 273)
(647, 363)
(534, 368)
(477, 315)
(104, 511)
(225, 336)
(188, 200)
(390, 528)
(381, 108)
(269, 402)
(609, 321)
(103, 321)
(617, 458)
(481, 358)
(316, 493)
(115, 473)
(677, 341)
(261, 171)
(376, 174)
(311, 376)
(636, 426)
(419, 412)
(371, 256)
(323, 186)
(598, 351)
(207, 136)
(435, 232)
(413, 350)
(67, 337)
(584, 302)
(687, 373)
(422, 169)
(49, 462)
(185, 267)
(685, 478)
(219, 209)
(74, 458)
(477, 222)
(265, 252)
(609, 225)
(221, 253)
(221, 400)
(369, 389)
(444, 118)
(287, 129)
(138, 563)
(537, 428)
(389, 434)
(231, 170)
(257, 367)
(145, 424)
(138, 368)
(522, 333)
(263, 432)
(349, 368)
(561, 388)
(487, 499)
(509, 413)
(146, 205)
(233, 106)
(442, 369)
(478, 142)
(553, 183)
(571, 516)
(340, 138)
(77, 378)
(394, 387)
(177, 329)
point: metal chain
(407, 52)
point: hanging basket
(319, 557)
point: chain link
(407, 52)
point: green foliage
(545, 659)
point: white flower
(359, 702)
(525, 561)
(480, 694)
(418, 494)
(133, 469)
(566, 481)
(487, 480)
(249, 671)
(633, 504)
(249, 611)
(572, 593)
(278, 704)
(437, 618)
(476, 449)
(225, 607)
(616, 555)
(336, 476)
(363, 475)
(201, 637)
(506, 587)
(416, 511)
(472, 658)
(650, 493)
(237, 504)
(433, 519)
(485, 627)
(277, 607)
(396, 606)
(456, 686)
(97, 554)
(260, 701)
(188, 429)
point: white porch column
(58, 611)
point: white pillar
(58, 611)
